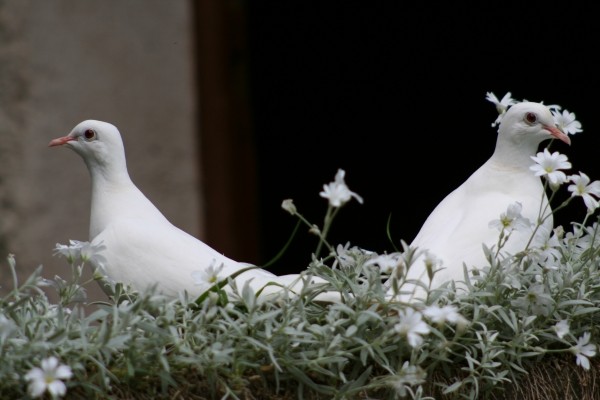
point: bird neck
(116, 197)
(514, 153)
(107, 189)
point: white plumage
(141, 247)
(459, 226)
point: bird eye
(89, 134)
(530, 118)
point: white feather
(458, 227)
(140, 246)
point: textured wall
(63, 61)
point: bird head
(98, 143)
(530, 122)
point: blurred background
(228, 107)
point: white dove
(140, 247)
(458, 227)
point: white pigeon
(458, 227)
(140, 247)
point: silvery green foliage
(146, 343)
(520, 309)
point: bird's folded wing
(151, 253)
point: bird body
(458, 227)
(139, 246)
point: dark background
(394, 94)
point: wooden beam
(227, 148)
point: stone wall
(130, 63)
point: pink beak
(557, 133)
(60, 141)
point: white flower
(344, 255)
(549, 165)
(288, 205)
(501, 105)
(84, 251)
(431, 263)
(582, 187)
(440, 315)
(409, 375)
(549, 250)
(48, 378)
(387, 262)
(511, 219)
(583, 350)
(71, 252)
(207, 277)
(412, 326)
(337, 192)
(347, 256)
(566, 122)
(561, 328)
(431, 260)
(535, 300)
